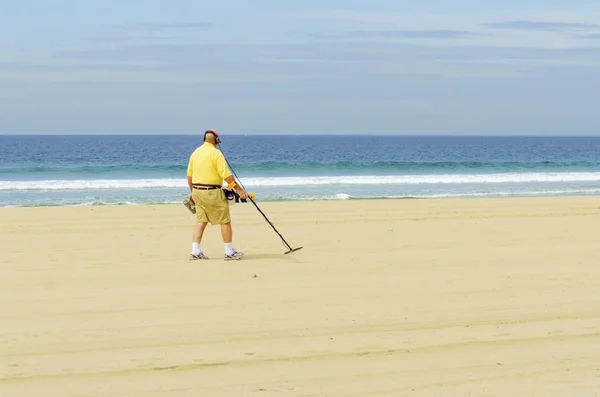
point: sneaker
(237, 255)
(199, 256)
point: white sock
(196, 248)
(228, 248)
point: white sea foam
(311, 181)
(497, 193)
(141, 200)
(344, 196)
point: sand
(478, 297)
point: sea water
(150, 169)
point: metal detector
(289, 247)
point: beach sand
(477, 297)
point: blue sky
(263, 66)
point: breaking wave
(309, 181)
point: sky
(494, 67)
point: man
(207, 169)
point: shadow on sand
(249, 257)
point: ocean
(74, 170)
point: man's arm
(225, 173)
(189, 176)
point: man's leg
(196, 238)
(219, 215)
(197, 233)
(227, 234)
(198, 230)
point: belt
(206, 187)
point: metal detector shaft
(273, 226)
(289, 247)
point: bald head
(211, 136)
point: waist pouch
(232, 197)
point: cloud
(108, 39)
(22, 67)
(326, 61)
(404, 34)
(358, 52)
(349, 15)
(123, 39)
(161, 27)
(141, 32)
(541, 26)
(588, 36)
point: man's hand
(242, 193)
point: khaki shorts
(211, 206)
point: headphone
(217, 140)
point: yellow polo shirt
(207, 166)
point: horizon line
(199, 134)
